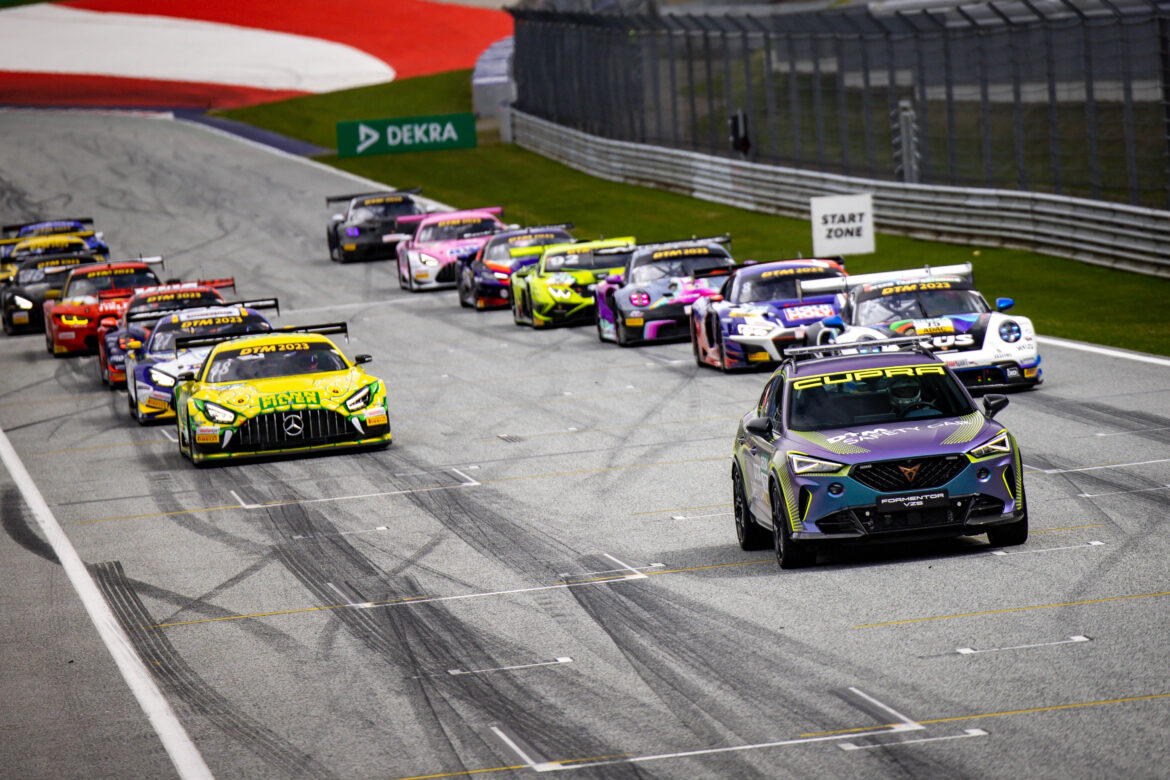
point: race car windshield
(919, 305)
(167, 330)
(83, 286)
(875, 401)
(268, 361)
(501, 251)
(679, 266)
(777, 288)
(460, 228)
(583, 261)
(200, 300)
(370, 211)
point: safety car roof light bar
(844, 283)
(338, 198)
(851, 349)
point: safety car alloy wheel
(750, 535)
(790, 554)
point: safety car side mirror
(992, 404)
(1003, 304)
(613, 279)
(759, 426)
(834, 322)
(359, 359)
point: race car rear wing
(904, 343)
(80, 257)
(845, 283)
(324, 329)
(219, 284)
(339, 198)
(412, 219)
(156, 314)
(18, 227)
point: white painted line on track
(459, 672)
(1122, 492)
(610, 571)
(904, 723)
(528, 760)
(667, 361)
(700, 517)
(1069, 641)
(168, 436)
(348, 601)
(184, 755)
(637, 575)
(1107, 351)
(965, 735)
(1096, 468)
(1004, 553)
(342, 533)
(1134, 433)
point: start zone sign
(405, 134)
(842, 225)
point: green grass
(1063, 297)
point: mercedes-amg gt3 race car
(153, 363)
(428, 260)
(367, 229)
(278, 393)
(92, 292)
(881, 447)
(22, 298)
(140, 314)
(485, 279)
(987, 348)
(757, 313)
(558, 289)
(651, 299)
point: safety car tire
(790, 554)
(747, 531)
(1012, 534)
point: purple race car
(884, 446)
(429, 259)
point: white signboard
(842, 225)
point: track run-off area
(541, 574)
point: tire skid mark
(1104, 416)
(185, 684)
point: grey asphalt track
(541, 574)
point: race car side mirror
(613, 279)
(834, 322)
(185, 376)
(359, 359)
(1003, 304)
(715, 298)
(108, 322)
(52, 294)
(759, 426)
(337, 218)
(133, 344)
(993, 404)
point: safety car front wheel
(749, 534)
(790, 554)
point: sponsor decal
(634, 322)
(863, 374)
(212, 321)
(175, 296)
(385, 199)
(932, 326)
(293, 398)
(809, 311)
(532, 237)
(58, 262)
(20, 318)
(929, 500)
(916, 287)
(155, 403)
(460, 221)
(207, 434)
(273, 348)
(108, 272)
(790, 272)
(693, 251)
(852, 437)
(377, 419)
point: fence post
(1164, 51)
(769, 94)
(1017, 99)
(906, 143)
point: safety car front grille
(909, 474)
(448, 273)
(294, 428)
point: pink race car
(429, 259)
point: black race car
(367, 229)
(22, 296)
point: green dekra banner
(405, 134)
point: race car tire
(597, 321)
(331, 240)
(131, 406)
(464, 300)
(8, 329)
(695, 347)
(790, 554)
(749, 534)
(104, 373)
(516, 309)
(1010, 535)
(722, 352)
(619, 332)
(401, 280)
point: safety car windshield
(274, 360)
(82, 286)
(171, 327)
(874, 397)
(919, 305)
(777, 288)
(677, 267)
(449, 230)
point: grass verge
(1063, 297)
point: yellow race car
(286, 391)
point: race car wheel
(1010, 535)
(331, 240)
(619, 330)
(104, 373)
(466, 299)
(597, 319)
(131, 406)
(722, 349)
(8, 329)
(401, 280)
(790, 554)
(516, 309)
(750, 535)
(695, 346)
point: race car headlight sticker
(353, 232)
(427, 260)
(1009, 331)
(754, 330)
(802, 464)
(218, 413)
(73, 321)
(640, 298)
(360, 398)
(160, 379)
(1000, 445)
(22, 302)
(499, 275)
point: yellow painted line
(1015, 609)
(1027, 711)
(103, 447)
(620, 427)
(161, 514)
(1067, 528)
(681, 509)
(466, 772)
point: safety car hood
(325, 390)
(906, 439)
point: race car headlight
(360, 399)
(1000, 445)
(499, 275)
(802, 464)
(22, 302)
(1009, 331)
(218, 413)
(427, 260)
(640, 298)
(754, 330)
(159, 379)
(73, 321)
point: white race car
(986, 348)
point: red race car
(90, 293)
(135, 320)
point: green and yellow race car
(558, 290)
(283, 392)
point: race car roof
(361, 196)
(64, 242)
(536, 231)
(783, 268)
(657, 253)
(871, 291)
(107, 268)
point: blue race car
(13, 235)
(758, 313)
(873, 446)
(484, 279)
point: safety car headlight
(802, 464)
(159, 379)
(1009, 331)
(360, 399)
(754, 330)
(22, 302)
(1001, 444)
(218, 413)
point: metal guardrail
(1098, 232)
